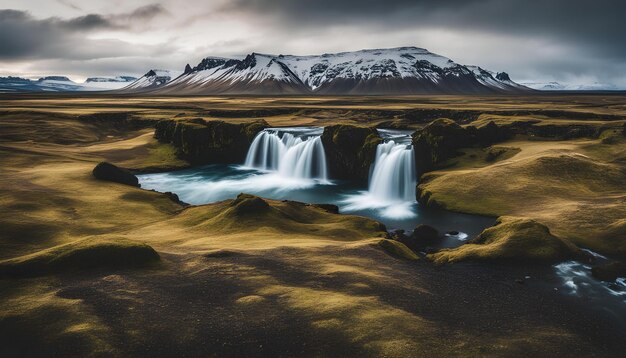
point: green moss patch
(397, 249)
(81, 255)
(512, 240)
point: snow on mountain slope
(62, 84)
(556, 86)
(366, 64)
(152, 79)
(107, 83)
(111, 79)
(57, 84)
(255, 74)
(17, 84)
(403, 70)
(493, 79)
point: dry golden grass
(356, 110)
(577, 188)
(286, 268)
(397, 249)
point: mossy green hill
(512, 241)
(80, 255)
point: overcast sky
(571, 41)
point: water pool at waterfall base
(289, 163)
(217, 182)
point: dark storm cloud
(141, 14)
(24, 37)
(598, 25)
(81, 23)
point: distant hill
(62, 84)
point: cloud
(22, 36)
(596, 23)
(589, 35)
(70, 5)
(147, 12)
(534, 40)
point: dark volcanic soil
(189, 307)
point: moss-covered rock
(563, 132)
(199, 141)
(109, 172)
(117, 120)
(441, 140)
(249, 204)
(397, 249)
(489, 133)
(437, 142)
(421, 237)
(81, 255)
(350, 151)
(512, 240)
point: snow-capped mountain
(404, 70)
(496, 80)
(18, 84)
(556, 86)
(62, 84)
(151, 80)
(57, 84)
(111, 79)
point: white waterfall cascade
(393, 177)
(392, 180)
(295, 153)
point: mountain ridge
(400, 70)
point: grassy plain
(284, 278)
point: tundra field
(95, 267)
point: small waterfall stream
(393, 177)
(391, 191)
(295, 153)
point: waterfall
(265, 151)
(292, 152)
(392, 181)
(393, 177)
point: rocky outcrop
(512, 240)
(488, 134)
(561, 132)
(609, 271)
(423, 236)
(247, 204)
(441, 140)
(350, 151)
(201, 142)
(117, 120)
(437, 142)
(109, 172)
